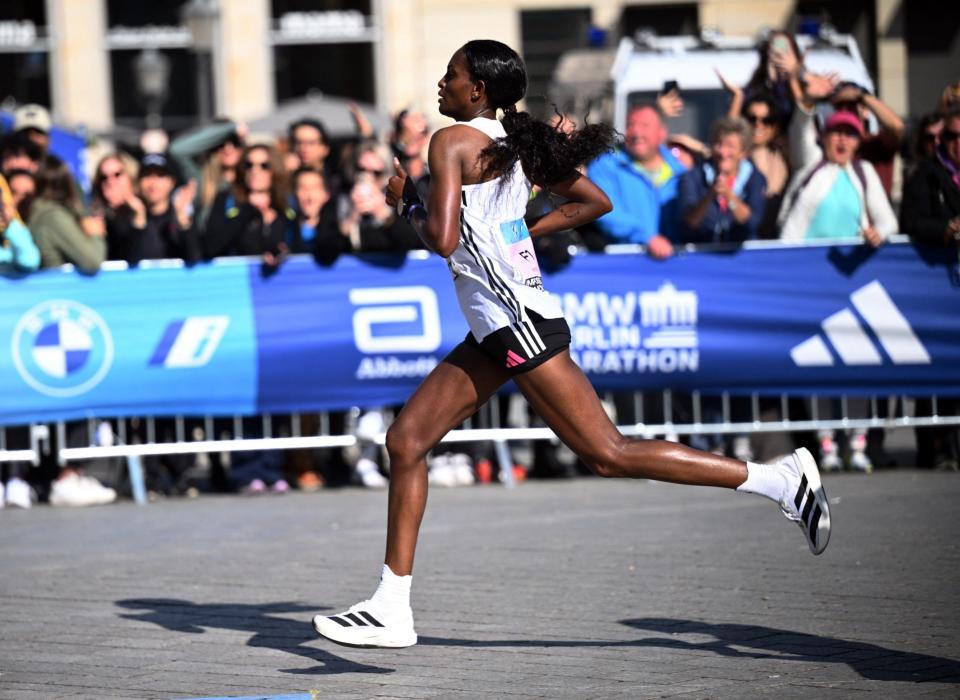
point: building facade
(104, 63)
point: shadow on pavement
(269, 632)
(756, 642)
(871, 661)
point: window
(546, 34)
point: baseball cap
(844, 118)
(155, 162)
(32, 116)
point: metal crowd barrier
(285, 432)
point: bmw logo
(62, 348)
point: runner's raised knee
(404, 446)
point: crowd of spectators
(798, 156)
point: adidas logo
(850, 340)
(513, 359)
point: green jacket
(60, 239)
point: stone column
(79, 63)
(892, 56)
(243, 60)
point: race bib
(519, 244)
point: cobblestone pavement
(574, 589)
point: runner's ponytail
(548, 153)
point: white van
(607, 82)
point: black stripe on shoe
(814, 527)
(339, 621)
(371, 619)
(359, 622)
(808, 507)
(803, 487)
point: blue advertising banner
(225, 339)
(127, 342)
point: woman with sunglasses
(930, 210)
(768, 154)
(930, 213)
(253, 217)
(481, 172)
(115, 199)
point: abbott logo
(190, 342)
(392, 305)
(851, 342)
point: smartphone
(669, 86)
(780, 44)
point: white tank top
(495, 269)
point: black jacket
(930, 200)
(161, 238)
(239, 229)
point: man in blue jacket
(640, 178)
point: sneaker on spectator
(858, 453)
(484, 470)
(742, 449)
(369, 474)
(76, 490)
(309, 481)
(254, 487)
(860, 462)
(18, 493)
(829, 454)
(462, 469)
(441, 472)
(280, 486)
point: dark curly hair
(548, 154)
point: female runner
(481, 170)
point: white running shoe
(77, 490)
(18, 493)
(805, 501)
(367, 625)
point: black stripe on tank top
(496, 285)
(531, 341)
(522, 326)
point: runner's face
(456, 88)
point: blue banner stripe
(163, 349)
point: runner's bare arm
(440, 228)
(587, 203)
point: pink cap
(844, 118)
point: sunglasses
(378, 173)
(767, 121)
(262, 164)
(946, 136)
